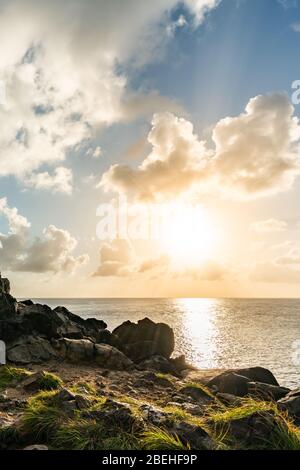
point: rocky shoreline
(72, 384)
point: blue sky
(203, 70)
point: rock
(157, 363)
(228, 399)
(107, 337)
(155, 416)
(294, 393)
(82, 402)
(36, 447)
(29, 350)
(75, 327)
(254, 431)
(115, 414)
(291, 405)
(108, 356)
(26, 302)
(32, 383)
(257, 374)
(179, 363)
(76, 350)
(230, 382)
(4, 286)
(65, 395)
(197, 394)
(193, 435)
(7, 404)
(266, 391)
(145, 338)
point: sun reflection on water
(200, 332)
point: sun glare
(189, 236)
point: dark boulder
(255, 431)
(145, 338)
(30, 349)
(198, 394)
(27, 302)
(266, 392)
(291, 405)
(106, 337)
(193, 435)
(158, 364)
(235, 382)
(231, 383)
(257, 374)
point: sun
(190, 236)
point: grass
(85, 388)
(79, 434)
(42, 416)
(200, 387)
(247, 408)
(167, 378)
(9, 375)
(284, 435)
(50, 381)
(82, 434)
(160, 439)
(9, 435)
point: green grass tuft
(50, 381)
(79, 434)
(283, 436)
(9, 375)
(85, 388)
(159, 439)
(42, 416)
(9, 435)
(247, 408)
(199, 386)
(83, 434)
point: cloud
(63, 80)
(211, 271)
(270, 225)
(285, 268)
(296, 27)
(161, 262)
(255, 154)
(286, 4)
(272, 272)
(53, 252)
(176, 161)
(60, 181)
(116, 259)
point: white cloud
(116, 259)
(269, 225)
(60, 181)
(53, 252)
(256, 154)
(59, 65)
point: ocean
(214, 333)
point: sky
(120, 116)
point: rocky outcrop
(145, 338)
(291, 405)
(242, 382)
(36, 333)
